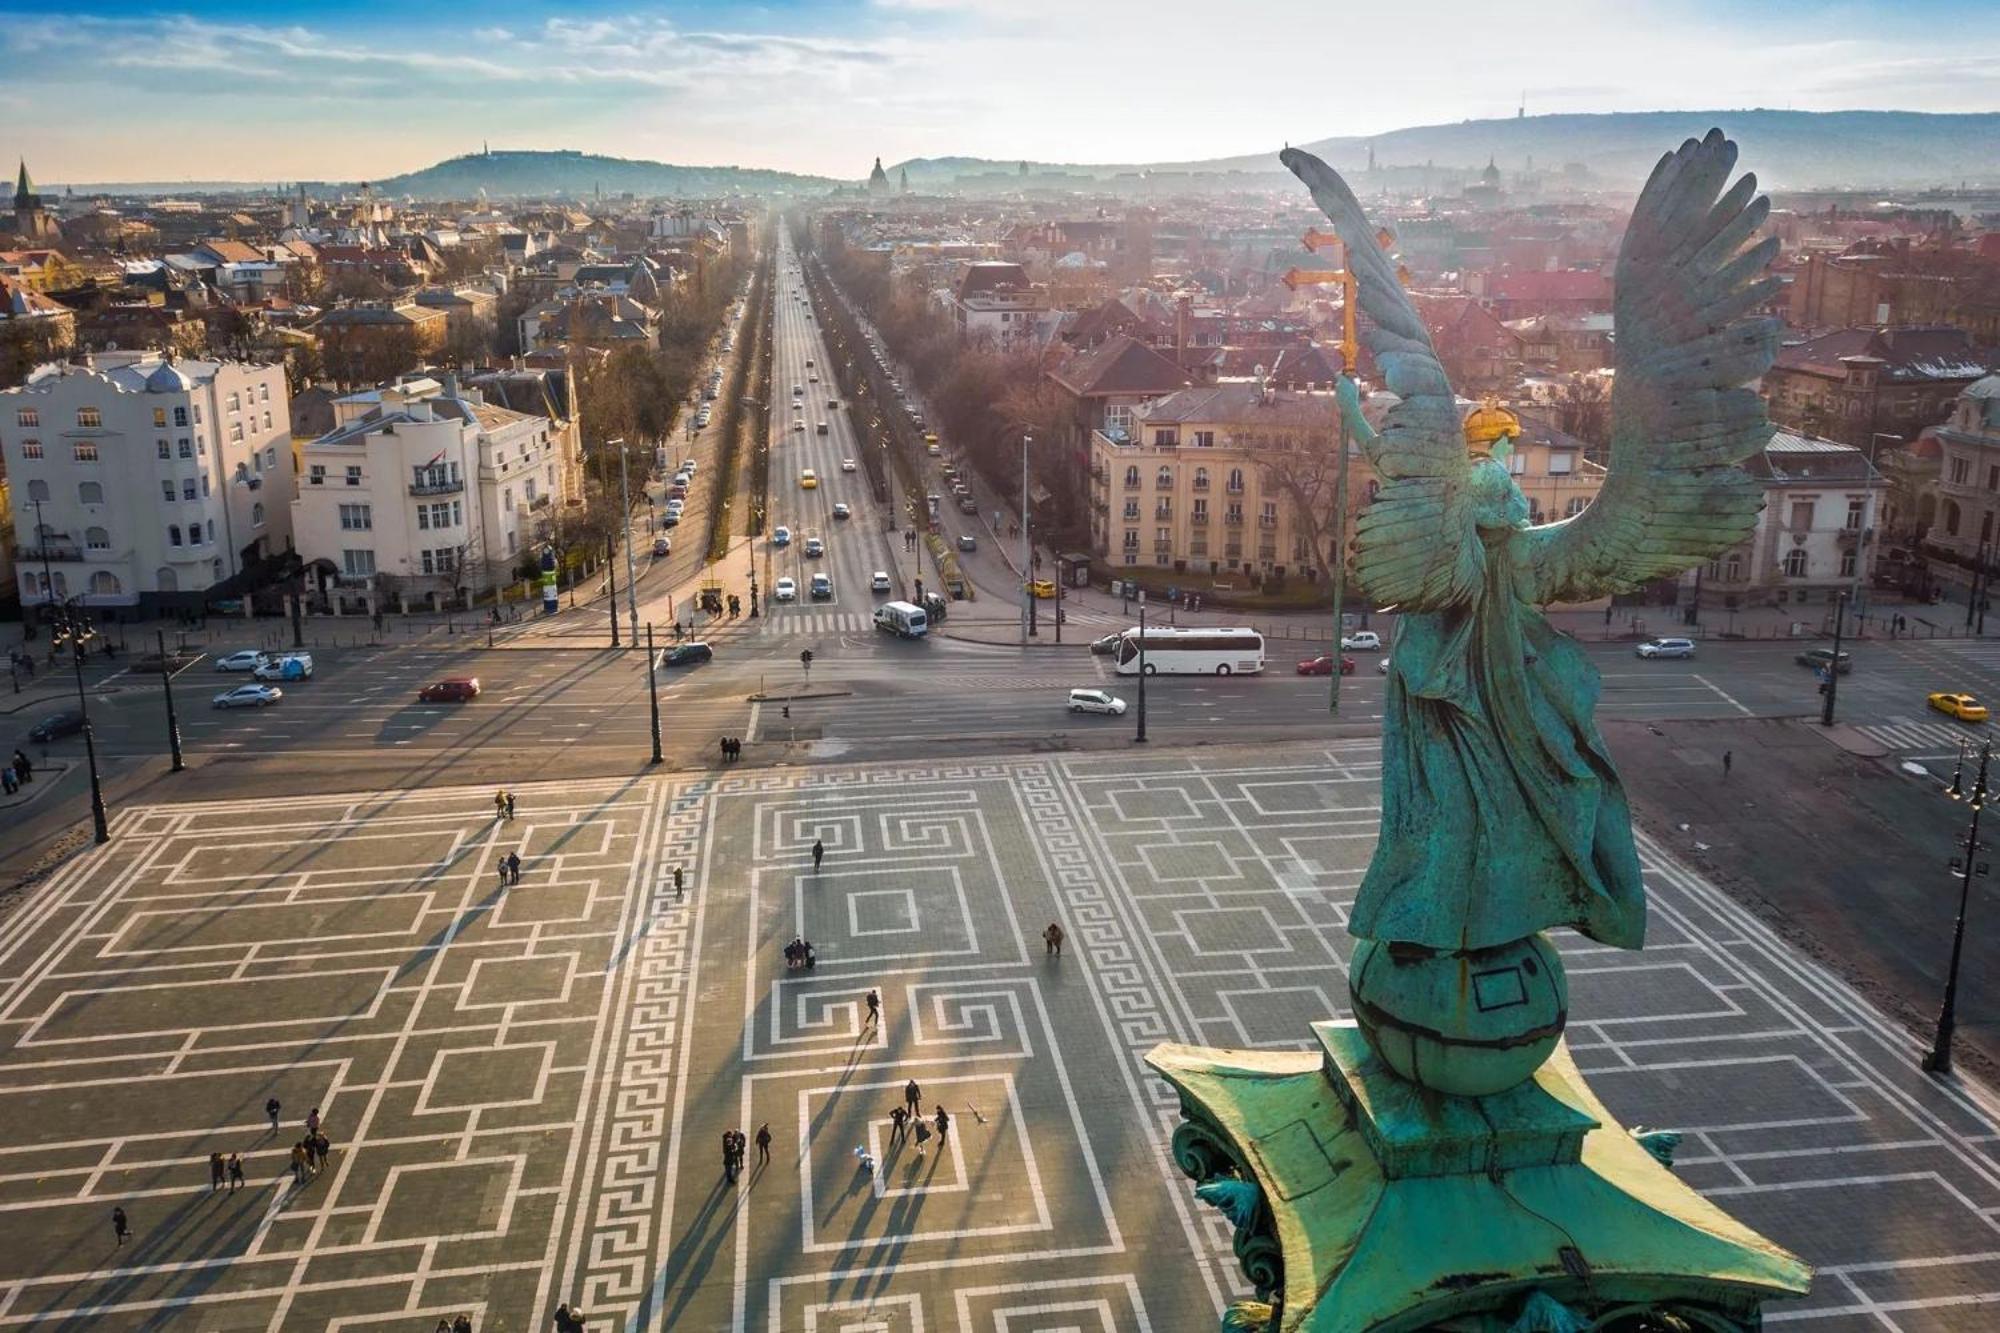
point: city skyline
(823, 88)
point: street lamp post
(631, 574)
(1339, 547)
(1833, 665)
(1140, 737)
(1027, 545)
(1868, 523)
(653, 690)
(1939, 1059)
(173, 722)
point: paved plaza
(525, 1086)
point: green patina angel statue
(1502, 813)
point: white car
(245, 660)
(815, 548)
(1362, 640)
(840, 510)
(847, 465)
(1096, 701)
(781, 536)
(786, 591)
(290, 666)
(1666, 648)
(249, 696)
(880, 583)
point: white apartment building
(428, 483)
(1812, 541)
(994, 303)
(157, 479)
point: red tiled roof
(1121, 366)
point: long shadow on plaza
(694, 1254)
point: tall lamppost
(173, 722)
(1833, 665)
(653, 689)
(1027, 546)
(631, 573)
(1963, 869)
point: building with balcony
(424, 493)
(1814, 536)
(1968, 478)
(141, 481)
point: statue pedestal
(1380, 1206)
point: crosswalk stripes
(1908, 734)
(819, 623)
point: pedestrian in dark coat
(764, 1143)
(943, 1126)
(320, 1148)
(215, 1172)
(510, 805)
(120, 1226)
(271, 1108)
(514, 866)
(874, 1008)
(913, 1097)
(235, 1172)
(819, 852)
(680, 883)
(899, 1122)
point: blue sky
(92, 90)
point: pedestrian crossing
(1903, 733)
(802, 621)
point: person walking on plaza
(510, 805)
(514, 867)
(23, 770)
(462, 1324)
(312, 1121)
(680, 884)
(1728, 762)
(298, 1163)
(235, 1172)
(764, 1144)
(271, 1108)
(921, 1132)
(500, 804)
(729, 1155)
(9, 784)
(319, 1149)
(943, 1127)
(215, 1171)
(913, 1097)
(1052, 938)
(121, 1227)
(819, 852)
(874, 1010)
(899, 1124)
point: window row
(1164, 478)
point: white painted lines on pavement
(1724, 695)
(1904, 733)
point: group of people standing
(800, 953)
(510, 868)
(732, 748)
(735, 1146)
(17, 773)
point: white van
(903, 619)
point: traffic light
(805, 657)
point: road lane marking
(1725, 696)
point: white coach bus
(1192, 652)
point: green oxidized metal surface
(1440, 1164)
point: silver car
(249, 696)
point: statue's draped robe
(1501, 812)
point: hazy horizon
(333, 91)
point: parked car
(1323, 666)
(880, 582)
(249, 696)
(687, 654)
(1818, 658)
(967, 505)
(57, 725)
(1665, 648)
(1106, 646)
(245, 660)
(1362, 640)
(967, 542)
(1096, 701)
(451, 690)
(786, 591)
(1961, 706)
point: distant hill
(1787, 149)
(568, 174)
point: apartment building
(1811, 543)
(996, 304)
(1968, 478)
(424, 493)
(142, 481)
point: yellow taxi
(1042, 588)
(931, 445)
(808, 480)
(1961, 706)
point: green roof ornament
(1439, 1158)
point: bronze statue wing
(1415, 546)
(1682, 417)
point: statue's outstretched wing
(1414, 546)
(1682, 420)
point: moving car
(1961, 706)
(799, 425)
(842, 511)
(786, 591)
(1665, 648)
(808, 480)
(1042, 588)
(662, 546)
(1819, 658)
(967, 505)
(671, 519)
(1323, 666)
(880, 582)
(967, 542)
(246, 660)
(1362, 640)
(249, 696)
(822, 588)
(1106, 646)
(906, 620)
(819, 427)
(450, 690)
(781, 536)
(687, 654)
(291, 666)
(815, 548)
(833, 404)
(57, 725)
(847, 465)
(1096, 701)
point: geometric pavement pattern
(525, 1086)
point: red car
(459, 689)
(1323, 666)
